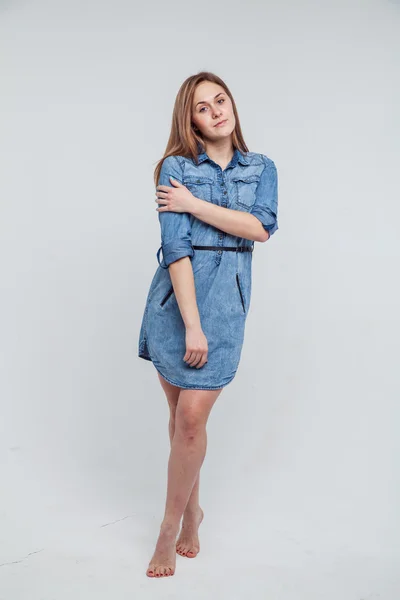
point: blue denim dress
(222, 278)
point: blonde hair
(183, 139)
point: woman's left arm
(258, 224)
(234, 222)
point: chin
(224, 134)
(225, 131)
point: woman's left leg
(188, 450)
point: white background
(300, 485)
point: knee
(189, 423)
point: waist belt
(228, 248)
(232, 248)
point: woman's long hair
(184, 140)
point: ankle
(192, 511)
(169, 527)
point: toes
(185, 551)
(160, 571)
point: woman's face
(211, 105)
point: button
(198, 181)
(225, 192)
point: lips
(221, 123)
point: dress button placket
(220, 234)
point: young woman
(215, 199)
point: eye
(220, 100)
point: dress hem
(187, 387)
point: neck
(220, 151)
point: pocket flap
(197, 179)
(246, 178)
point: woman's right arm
(177, 251)
(182, 279)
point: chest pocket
(245, 190)
(200, 186)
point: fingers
(162, 200)
(196, 359)
(163, 205)
(202, 362)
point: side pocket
(167, 295)
(240, 292)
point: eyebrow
(204, 102)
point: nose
(217, 112)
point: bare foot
(163, 560)
(188, 542)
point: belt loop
(158, 258)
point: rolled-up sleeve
(265, 207)
(176, 231)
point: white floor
(72, 555)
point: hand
(175, 199)
(196, 347)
